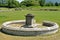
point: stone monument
(29, 27)
(29, 21)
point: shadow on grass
(16, 35)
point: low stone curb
(28, 31)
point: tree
(49, 4)
(27, 3)
(42, 2)
(13, 4)
(16, 3)
(56, 4)
(3, 3)
(30, 3)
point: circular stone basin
(15, 24)
(15, 28)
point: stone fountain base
(50, 28)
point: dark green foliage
(49, 4)
(56, 4)
(17, 4)
(9, 3)
(13, 4)
(30, 3)
(27, 3)
(42, 2)
(3, 3)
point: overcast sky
(53, 1)
(19, 0)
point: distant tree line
(38, 2)
(9, 4)
(27, 3)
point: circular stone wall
(29, 31)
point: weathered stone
(28, 29)
(29, 21)
(48, 24)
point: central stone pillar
(29, 21)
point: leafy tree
(56, 4)
(30, 3)
(42, 2)
(27, 3)
(13, 4)
(16, 3)
(3, 3)
(10, 3)
(49, 4)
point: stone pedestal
(29, 21)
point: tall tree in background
(13, 4)
(49, 4)
(42, 2)
(27, 3)
(16, 3)
(30, 2)
(3, 3)
(56, 4)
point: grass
(39, 17)
(39, 7)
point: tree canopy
(27, 3)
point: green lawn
(39, 17)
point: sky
(19, 0)
(53, 1)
